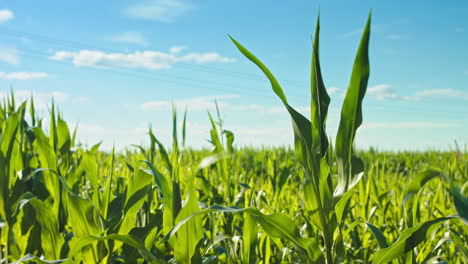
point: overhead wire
(172, 79)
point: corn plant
(65, 202)
(326, 200)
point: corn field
(62, 202)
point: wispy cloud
(146, 59)
(197, 103)
(459, 29)
(387, 92)
(334, 90)
(447, 93)
(41, 99)
(158, 10)
(9, 55)
(177, 49)
(129, 37)
(5, 15)
(409, 125)
(22, 75)
(351, 33)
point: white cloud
(158, 10)
(41, 99)
(335, 90)
(129, 37)
(466, 72)
(9, 55)
(146, 59)
(177, 49)
(447, 93)
(197, 103)
(459, 29)
(208, 103)
(408, 125)
(22, 75)
(386, 92)
(351, 33)
(80, 100)
(5, 15)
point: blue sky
(114, 67)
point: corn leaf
(409, 239)
(351, 117)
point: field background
(61, 200)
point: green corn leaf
(378, 235)
(7, 141)
(419, 181)
(162, 151)
(89, 166)
(461, 203)
(63, 136)
(189, 235)
(107, 197)
(32, 111)
(175, 141)
(53, 139)
(229, 140)
(319, 100)
(275, 225)
(84, 217)
(215, 139)
(301, 125)
(127, 239)
(250, 238)
(48, 159)
(166, 190)
(138, 187)
(274, 83)
(52, 240)
(351, 116)
(408, 240)
(342, 204)
(184, 127)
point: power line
(177, 79)
(80, 45)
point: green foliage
(63, 202)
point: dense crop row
(63, 202)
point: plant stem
(326, 236)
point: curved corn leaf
(274, 83)
(409, 239)
(379, 236)
(85, 219)
(166, 191)
(52, 240)
(127, 239)
(275, 225)
(301, 125)
(461, 203)
(419, 181)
